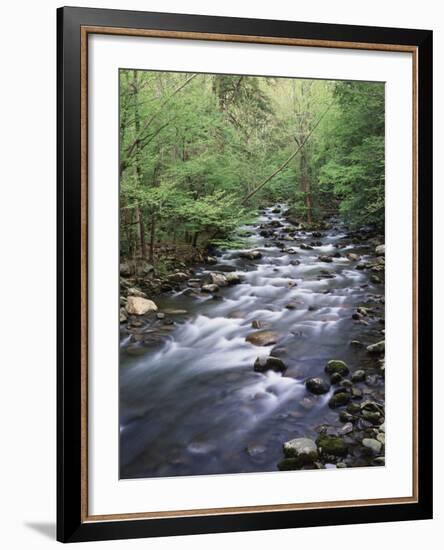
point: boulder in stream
(262, 364)
(251, 254)
(178, 277)
(302, 450)
(317, 386)
(259, 324)
(263, 338)
(377, 348)
(337, 366)
(139, 306)
(358, 376)
(380, 250)
(210, 289)
(217, 279)
(372, 446)
(331, 445)
(339, 400)
(233, 278)
(353, 257)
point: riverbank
(248, 340)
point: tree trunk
(139, 212)
(140, 232)
(305, 187)
(152, 239)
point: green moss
(336, 366)
(331, 445)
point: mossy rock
(353, 408)
(331, 445)
(339, 400)
(335, 366)
(301, 449)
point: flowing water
(195, 405)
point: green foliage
(192, 147)
(353, 170)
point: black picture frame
(71, 524)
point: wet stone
(264, 338)
(318, 386)
(263, 364)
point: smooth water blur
(195, 405)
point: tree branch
(290, 158)
(130, 149)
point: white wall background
(27, 237)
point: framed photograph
(244, 274)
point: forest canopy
(200, 153)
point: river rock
(335, 378)
(380, 250)
(262, 364)
(331, 445)
(339, 400)
(293, 305)
(259, 324)
(263, 338)
(178, 277)
(302, 449)
(251, 254)
(358, 376)
(377, 348)
(346, 428)
(304, 246)
(233, 278)
(353, 257)
(373, 445)
(373, 417)
(125, 269)
(375, 279)
(139, 268)
(317, 386)
(139, 306)
(356, 393)
(210, 289)
(356, 344)
(171, 311)
(337, 366)
(346, 417)
(135, 350)
(210, 260)
(279, 351)
(326, 259)
(217, 279)
(123, 316)
(133, 291)
(353, 408)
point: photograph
(252, 274)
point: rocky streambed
(264, 358)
